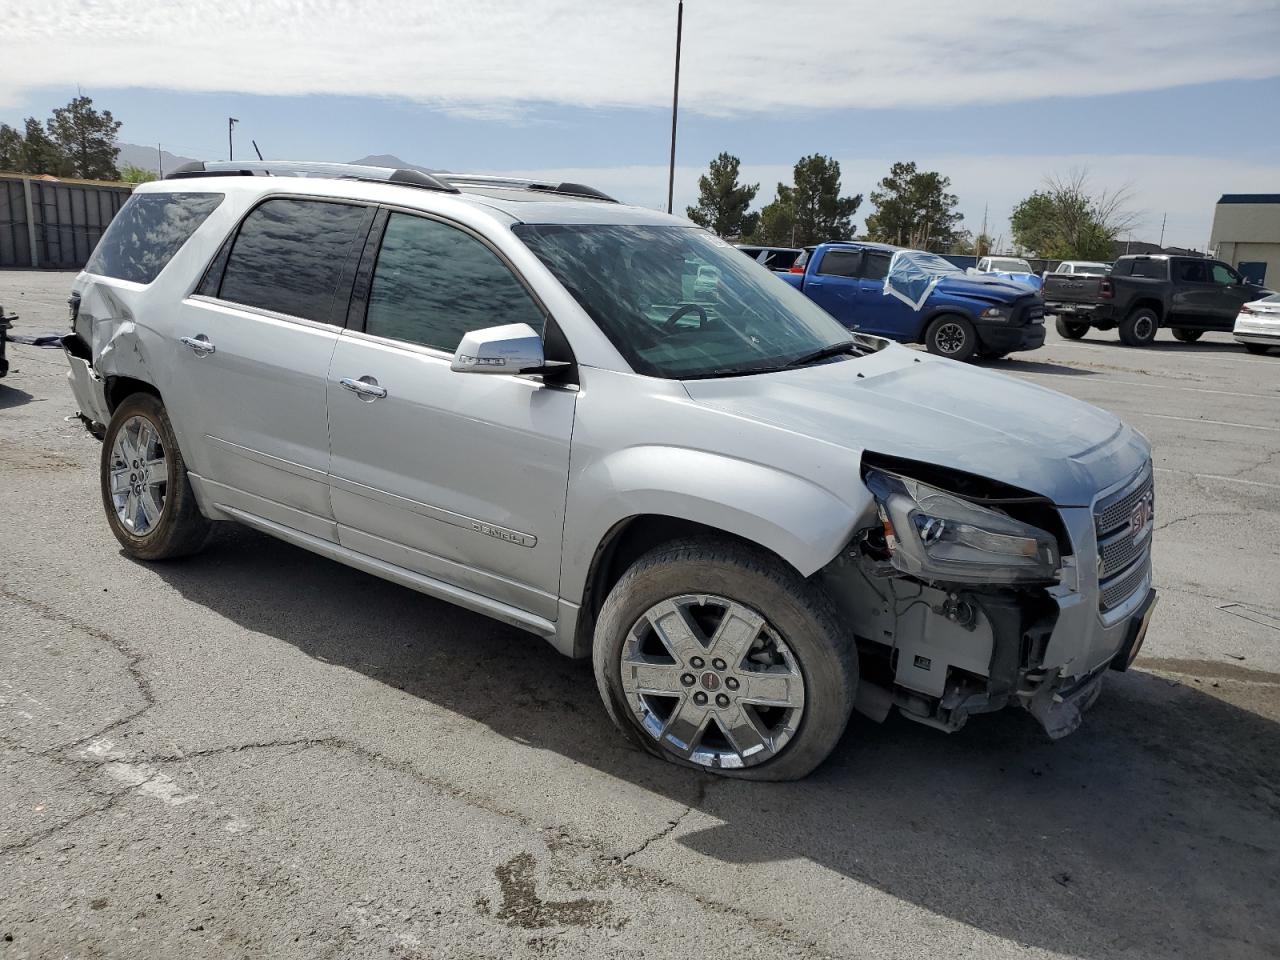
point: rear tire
(148, 499)
(1139, 328)
(1071, 329)
(951, 336)
(1257, 348)
(1187, 336)
(791, 649)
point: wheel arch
(117, 388)
(1150, 303)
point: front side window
(289, 255)
(1224, 275)
(679, 303)
(146, 233)
(433, 283)
(875, 266)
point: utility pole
(675, 106)
(255, 148)
(977, 247)
(160, 161)
(231, 150)
(1162, 223)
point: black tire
(951, 336)
(1187, 336)
(800, 613)
(1071, 329)
(180, 529)
(1257, 348)
(1139, 328)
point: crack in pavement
(131, 657)
(704, 782)
(41, 835)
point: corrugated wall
(54, 224)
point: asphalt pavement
(257, 752)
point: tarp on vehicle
(914, 273)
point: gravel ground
(257, 752)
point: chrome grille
(1119, 589)
(1123, 561)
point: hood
(919, 407)
(982, 286)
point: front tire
(951, 336)
(1187, 336)
(1139, 328)
(1070, 329)
(717, 656)
(1257, 348)
(148, 499)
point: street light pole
(675, 106)
(231, 150)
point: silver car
(607, 427)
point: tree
(87, 139)
(811, 210)
(723, 201)
(979, 246)
(131, 174)
(913, 209)
(1065, 221)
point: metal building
(1246, 234)
(54, 223)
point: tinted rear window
(289, 255)
(149, 229)
(839, 263)
(1153, 269)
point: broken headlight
(935, 535)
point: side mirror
(514, 348)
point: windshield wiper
(830, 350)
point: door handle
(366, 388)
(200, 345)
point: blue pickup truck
(917, 297)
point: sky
(1175, 102)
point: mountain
(389, 160)
(136, 155)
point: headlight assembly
(995, 313)
(938, 536)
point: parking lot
(259, 752)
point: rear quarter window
(1151, 269)
(147, 232)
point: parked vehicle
(1258, 324)
(499, 395)
(775, 258)
(5, 322)
(1090, 268)
(1146, 292)
(1013, 269)
(961, 316)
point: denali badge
(502, 533)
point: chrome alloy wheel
(139, 476)
(712, 682)
(949, 338)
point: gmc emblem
(1140, 518)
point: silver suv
(611, 429)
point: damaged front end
(956, 590)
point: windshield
(1010, 265)
(680, 303)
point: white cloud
(1183, 188)
(740, 55)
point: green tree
(723, 201)
(1066, 221)
(131, 174)
(811, 210)
(87, 139)
(966, 243)
(914, 209)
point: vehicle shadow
(1165, 343)
(1153, 831)
(1016, 365)
(13, 397)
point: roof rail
(298, 168)
(520, 183)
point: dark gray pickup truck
(1144, 293)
